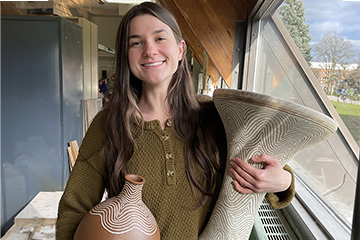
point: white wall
(107, 30)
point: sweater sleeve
(282, 199)
(85, 186)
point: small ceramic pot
(123, 217)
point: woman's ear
(182, 47)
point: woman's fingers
(248, 179)
(243, 180)
(242, 189)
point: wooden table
(37, 220)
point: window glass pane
(329, 167)
(330, 41)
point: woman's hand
(248, 179)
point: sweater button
(165, 137)
(170, 173)
(153, 124)
(169, 122)
(169, 156)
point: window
(276, 67)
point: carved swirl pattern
(126, 207)
(252, 129)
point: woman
(158, 128)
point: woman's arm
(86, 183)
(84, 190)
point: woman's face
(153, 51)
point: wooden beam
(205, 33)
(192, 41)
(210, 25)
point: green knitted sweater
(158, 157)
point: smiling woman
(158, 128)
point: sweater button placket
(165, 136)
(169, 156)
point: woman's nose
(149, 49)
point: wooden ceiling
(210, 25)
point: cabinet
(41, 106)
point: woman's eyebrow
(134, 36)
(159, 31)
(154, 33)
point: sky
(339, 15)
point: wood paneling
(210, 25)
(192, 41)
(9, 8)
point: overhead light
(128, 1)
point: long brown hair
(200, 159)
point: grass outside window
(350, 114)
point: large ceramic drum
(255, 124)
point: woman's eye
(133, 44)
(160, 39)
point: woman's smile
(153, 64)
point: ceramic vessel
(123, 217)
(254, 124)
